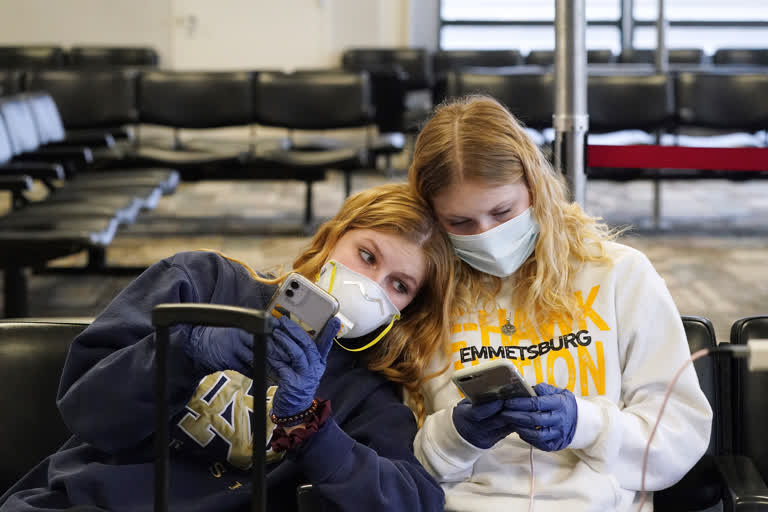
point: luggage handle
(255, 322)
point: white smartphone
(492, 380)
(304, 302)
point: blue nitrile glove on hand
(298, 362)
(218, 349)
(483, 424)
(546, 421)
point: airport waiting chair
(741, 57)
(527, 93)
(547, 57)
(312, 102)
(701, 487)
(32, 355)
(23, 57)
(721, 108)
(413, 66)
(108, 57)
(87, 100)
(746, 467)
(629, 108)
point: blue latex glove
(298, 362)
(546, 421)
(483, 424)
(218, 349)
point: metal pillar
(571, 120)
(627, 25)
(662, 66)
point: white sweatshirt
(617, 359)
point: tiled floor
(712, 250)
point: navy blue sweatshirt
(360, 460)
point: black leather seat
(91, 99)
(675, 56)
(312, 101)
(722, 108)
(540, 58)
(22, 57)
(701, 487)
(601, 56)
(527, 93)
(413, 65)
(189, 101)
(106, 57)
(32, 356)
(741, 56)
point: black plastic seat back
(32, 355)
(540, 58)
(750, 402)
(601, 57)
(20, 123)
(700, 488)
(10, 81)
(105, 57)
(629, 101)
(456, 60)
(741, 56)
(415, 62)
(88, 98)
(722, 99)
(675, 55)
(313, 100)
(31, 57)
(190, 99)
(528, 95)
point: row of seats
(733, 471)
(82, 207)
(76, 56)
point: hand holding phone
(492, 380)
(304, 302)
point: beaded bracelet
(296, 419)
(282, 441)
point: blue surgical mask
(502, 250)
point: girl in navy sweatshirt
(336, 400)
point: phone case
(304, 302)
(492, 380)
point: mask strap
(374, 341)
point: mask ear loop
(374, 341)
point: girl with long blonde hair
(336, 418)
(585, 320)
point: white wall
(228, 33)
(97, 22)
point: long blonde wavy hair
(475, 138)
(405, 351)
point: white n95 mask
(363, 305)
(502, 250)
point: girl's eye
(367, 257)
(458, 222)
(400, 287)
(499, 214)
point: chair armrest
(79, 155)
(37, 170)
(90, 138)
(745, 489)
(15, 184)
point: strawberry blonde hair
(475, 138)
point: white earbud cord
(695, 356)
(531, 490)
